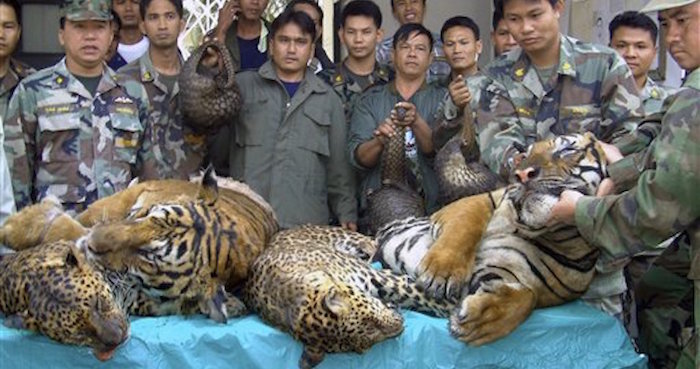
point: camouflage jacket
(350, 90)
(438, 68)
(664, 200)
(62, 141)
(653, 96)
(371, 110)
(178, 150)
(16, 73)
(591, 90)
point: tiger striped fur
(179, 254)
(520, 262)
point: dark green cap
(81, 10)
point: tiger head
(175, 251)
(571, 162)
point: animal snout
(524, 175)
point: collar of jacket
(380, 72)
(392, 88)
(567, 59)
(149, 73)
(65, 79)
(20, 69)
(264, 32)
(693, 79)
(267, 71)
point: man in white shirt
(132, 42)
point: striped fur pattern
(179, 255)
(519, 263)
(316, 284)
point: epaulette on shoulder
(337, 79)
(21, 69)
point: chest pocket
(127, 132)
(581, 118)
(257, 118)
(59, 134)
(313, 132)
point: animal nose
(526, 174)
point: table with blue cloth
(569, 336)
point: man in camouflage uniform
(360, 31)
(657, 198)
(11, 72)
(76, 130)
(178, 149)
(554, 85)
(633, 35)
(413, 11)
(11, 69)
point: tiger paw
(492, 312)
(444, 274)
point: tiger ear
(208, 189)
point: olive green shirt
(372, 108)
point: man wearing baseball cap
(655, 198)
(76, 130)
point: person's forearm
(368, 153)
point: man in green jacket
(657, 198)
(288, 142)
(374, 118)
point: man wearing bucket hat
(76, 130)
(657, 198)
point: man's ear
(60, 36)
(559, 8)
(380, 35)
(340, 36)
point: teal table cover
(569, 336)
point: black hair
(365, 8)
(406, 30)
(392, 4)
(14, 4)
(634, 19)
(143, 5)
(460, 21)
(299, 18)
(495, 19)
(499, 4)
(308, 2)
(116, 20)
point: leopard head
(337, 317)
(64, 297)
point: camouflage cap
(657, 5)
(80, 10)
